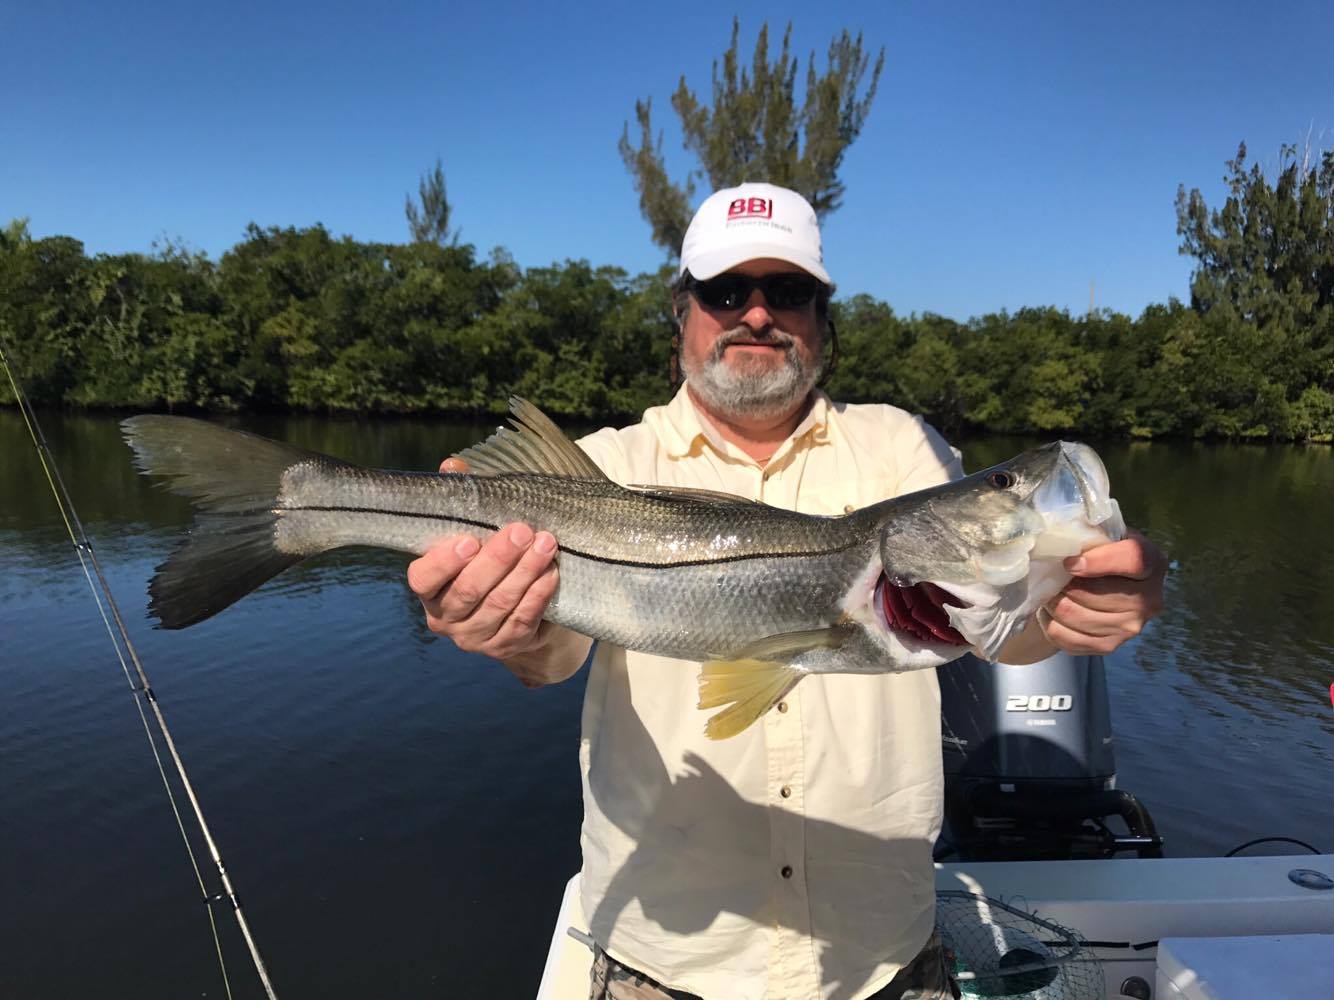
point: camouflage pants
(926, 977)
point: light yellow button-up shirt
(794, 860)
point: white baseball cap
(749, 222)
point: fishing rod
(120, 641)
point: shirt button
(785, 791)
(848, 508)
(782, 706)
(786, 871)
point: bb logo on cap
(750, 208)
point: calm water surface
(400, 818)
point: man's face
(753, 361)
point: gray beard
(755, 395)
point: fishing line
(120, 640)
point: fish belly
(699, 611)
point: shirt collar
(681, 428)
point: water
(400, 818)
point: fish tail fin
(234, 480)
(747, 687)
(220, 563)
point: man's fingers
(1089, 621)
(1134, 557)
(489, 598)
(1071, 640)
(1117, 588)
(1111, 594)
(524, 622)
(507, 597)
(492, 564)
(428, 575)
(453, 464)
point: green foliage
(1173, 372)
(1268, 253)
(581, 341)
(298, 319)
(14, 236)
(663, 203)
(1264, 280)
(43, 310)
(756, 130)
(429, 223)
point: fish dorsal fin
(535, 445)
(690, 493)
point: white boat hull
(1127, 902)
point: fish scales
(689, 578)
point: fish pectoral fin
(787, 646)
(754, 678)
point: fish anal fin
(748, 689)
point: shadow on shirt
(723, 874)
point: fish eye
(1000, 480)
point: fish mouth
(919, 611)
(1079, 491)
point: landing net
(1000, 950)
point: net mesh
(999, 950)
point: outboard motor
(1029, 768)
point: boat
(1266, 916)
(1035, 825)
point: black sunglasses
(789, 290)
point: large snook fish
(764, 596)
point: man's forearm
(558, 657)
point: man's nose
(757, 315)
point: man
(793, 860)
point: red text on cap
(750, 208)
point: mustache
(745, 335)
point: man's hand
(1116, 589)
(490, 599)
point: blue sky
(1015, 152)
